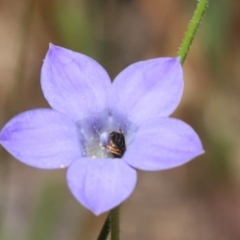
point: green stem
(192, 29)
(105, 229)
(114, 215)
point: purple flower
(87, 109)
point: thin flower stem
(105, 229)
(114, 215)
(192, 29)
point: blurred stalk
(109, 12)
(13, 102)
(47, 212)
(75, 26)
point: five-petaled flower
(87, 108)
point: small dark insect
(116, 144)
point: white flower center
(95, 147)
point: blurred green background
(200, 200)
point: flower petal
(148, 89)
(163, 143)
(101, 184)
(42, 138)
(73, 83)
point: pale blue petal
(101, 184)
(73, 83)
(42, 138)
(148, 89)
(163, 143)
